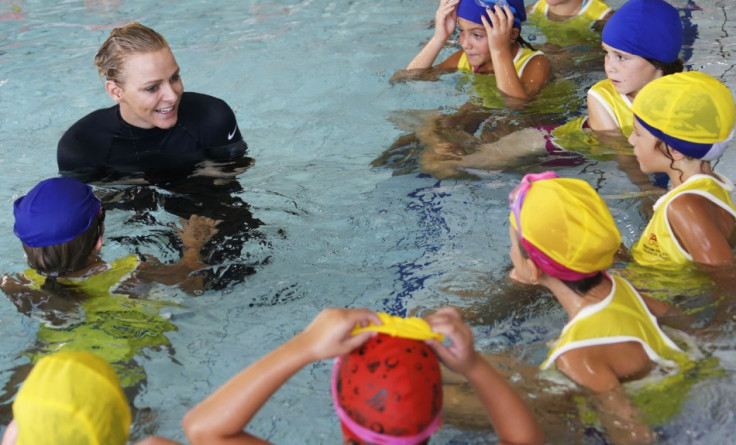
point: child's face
(650, 158)
(628, 72)
(474, 42)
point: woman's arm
(512, 419)
(221, 417)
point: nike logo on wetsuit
(230, 135)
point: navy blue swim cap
(473, 9)
(651, 29)
(55, 211)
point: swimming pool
(308, 81)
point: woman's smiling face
(150, 89)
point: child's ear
(535, 272)
(114, 91)
(676, 155)
(514, 34)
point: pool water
(309, 83)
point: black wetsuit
(103, 147)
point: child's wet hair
(668, 68)
(58, 259)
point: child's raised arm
(445, 21)
(512, 419)
(499, 32)
(222, 416)
(194, 234)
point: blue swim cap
(55, 211)
(473, 9)
(647, 28)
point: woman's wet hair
(59, 259)
(122, 42)
(668, 68)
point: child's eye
(152, 88)
(478, 36)
(175, 77)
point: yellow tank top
(521, 59)
(114, 326)
(102, 283)
(621, 317)
(576, 32)
(590, 11)
(617, 105)
(658, 245)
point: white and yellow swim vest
(616, 104)
(620, 317)
(590, 11)
(521, 59)
(658, 245)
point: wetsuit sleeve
(217, 126)
(82, 149)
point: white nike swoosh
(230, 135)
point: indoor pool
(334, 218)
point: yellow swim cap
(566, 228)
(72, 398)
(414, 328)
(692, 112)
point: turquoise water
(309, 84)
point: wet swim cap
(414, 328)
(55, 211)
(388, 391)
(473, 9)
(691, 112)
(567, 228)
(647, 28)
(72, 398)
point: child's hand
(460, 355)
(499, 29)
(195, 232)
(328, 335)
(445, 19)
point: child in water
(386, 383)
(489, 34)
(641, 42)
(60, 223)
(611, 335)
(72, 398)
(573, 25)
(682, 123)
(84, 299)
(572, 13)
